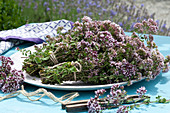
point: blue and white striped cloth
(36, 33)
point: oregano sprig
(10, 79)
(94, 105)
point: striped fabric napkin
(35, 32)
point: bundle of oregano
(97, 52)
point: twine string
(73, 64)
(68, 97)
(53, 58)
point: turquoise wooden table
(159, 86)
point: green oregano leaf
(37, 60)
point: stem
(138, 104)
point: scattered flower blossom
(141, 91)
(11, 79)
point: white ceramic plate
(68, 85)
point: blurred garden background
(15, 13)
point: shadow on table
(150, 85)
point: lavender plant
(117, 98)
(125, 13)
(10, 79)
(104, 52)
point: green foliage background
(10, 15)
